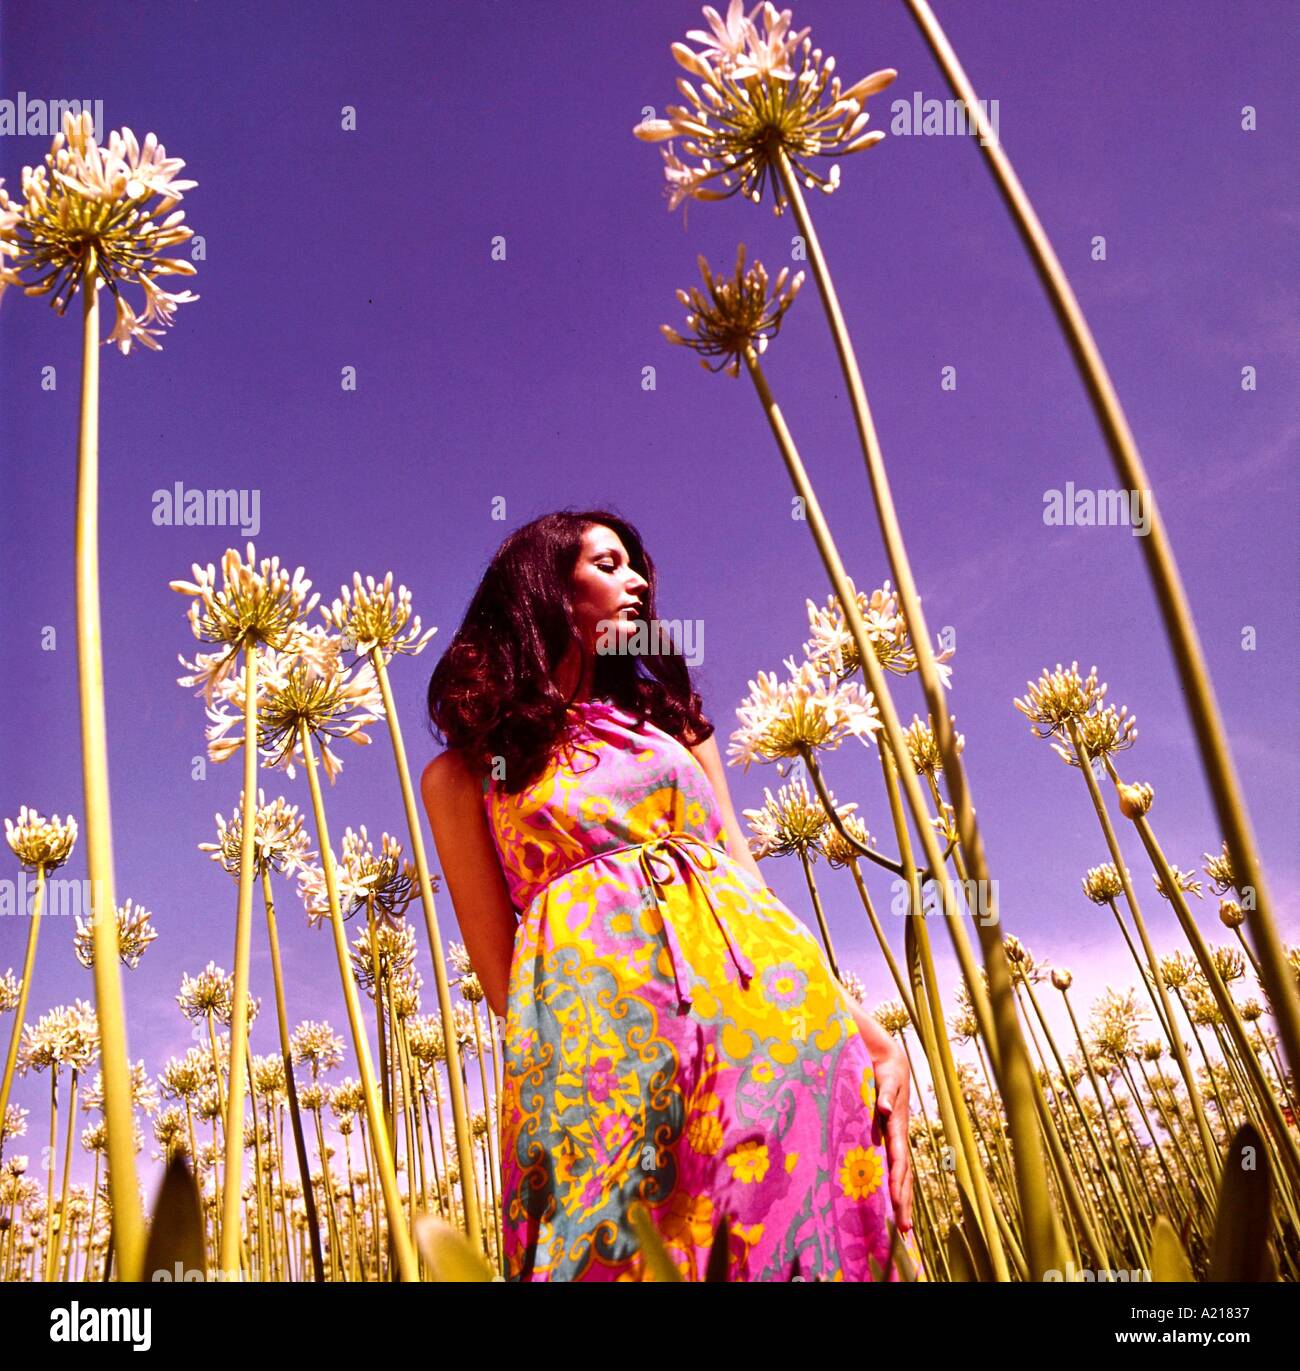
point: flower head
(783, 718)
(210, 992)
(1183, 880)
(923, 746)
(736, 315)
(305, 687)
(66, 1036)
(1058, 697)
(1102, 883)
(837, 850)
(370, 616)
(792, 821)
(40, 842)
(833, 645)
(134, 934)
(279, 841)
(317, 1044)
(1102, 733)
(88, 203)
(254, 605)
(1220, 871)
(753, 108)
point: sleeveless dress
(673, 1034)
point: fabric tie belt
(659, 850)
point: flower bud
(1062, 979)
(1231, 914)
(1135, 799)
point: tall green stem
(1229, 803)
(231, 1238)
(123, 1183)
(459, 1099)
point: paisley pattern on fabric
(673, 1034)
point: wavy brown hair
(492, 693)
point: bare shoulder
(449, 775)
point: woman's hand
(893, 1088)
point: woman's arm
(453, 797)
(707, 754)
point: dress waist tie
(659, 850)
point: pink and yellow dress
(673, 1034)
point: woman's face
(604, 585)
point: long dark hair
(492, 692)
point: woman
(672, 1032)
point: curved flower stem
(291, 1088)
(123, 1183)
(401, 1236)
(997, 1020)
(233, 1180)
(459, 1099)
(1192, 673)
(1002, 1033)
(819, 784)
(24, 992)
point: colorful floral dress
(673, 1033)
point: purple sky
(522, 379)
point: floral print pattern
(673, 1034)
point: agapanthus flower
(753, 103)
(1116, 1024)
(1102, 883)
(10, 992)
(134, 934)
(1058, 697)
(1022, 963)
(832, 646)
(1103, 733)
(280, 842)
(370, 616)
(397, 951)
(254, 605)
(66, 1036)
(40, 842)
(923, 746)
(837, 850)
(458, 959)
(210, 992)
(1183, 880)
(381, 880)
(316, 1044)
(306, 686)
(781, 718)
(1220, 871)
(792, 821)
(144, 1094)
(735, 314)
(86, 197)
